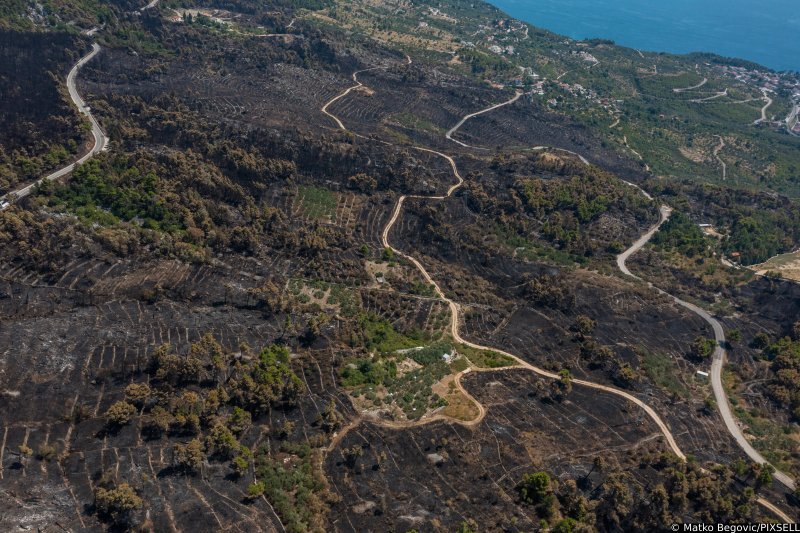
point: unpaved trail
(637, 154)
(554, 149)
(722, 163)
(454, 307)
(347, 91)
(461, 122)
(692, 88)
(665, 212)
(768, 102)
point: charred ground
(225, 257)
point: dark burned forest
(203, 327)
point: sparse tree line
(757, 225)
(664, 491)
(784, 357)
(561, 205)
(206, 402)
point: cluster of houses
(770, 81)
(508, 49)
(498, 36)
(577, 90)
(586, 56)
(215, 15)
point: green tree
(258, 385)
(46, 452)
(255, 490)
(584, 325)
(765, 475)
(157, 422)
(25, 453)
(534, 487)
(564, 382)
(120, 413)
(117, 504)
(239, 421)
(330, 420)
(703, 347)
(567, 525)
(351, 455)
(240, 465)
(188, 457)
(138, 394)
(221, 442)
(760, 341)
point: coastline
(774, 47)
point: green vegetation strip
(317, 202)
(485, 358)
(379, 381)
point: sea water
(763, 31)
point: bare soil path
(709, 98)
(665, 211)
(692, 88)
(722, 163)
(461, 122)
(454, 307)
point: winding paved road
(719, 356)
(100, 138)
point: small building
(702, 374)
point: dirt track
(454, 307)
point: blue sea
(764, 31)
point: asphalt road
(719, 356)
(100, 138)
